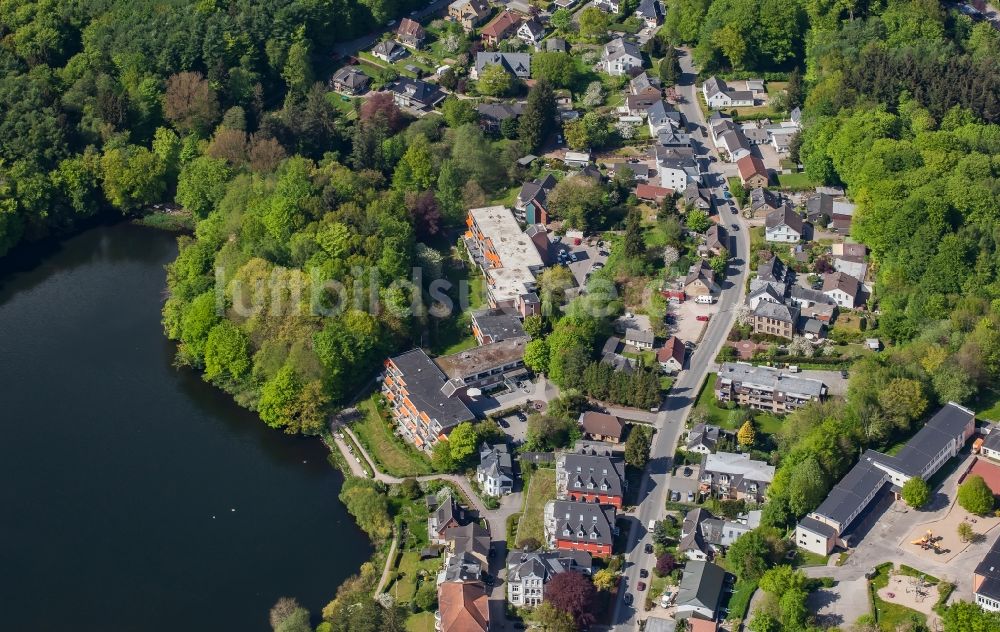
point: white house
(671, 355)
(844, 289)
(700, 590)
(677, 169)
(734, 143)
(609, 6)
(718, 95)
(531, 32)
(783, 225)
(529, 571)
(991, 444)
(620, 56)
(495, 474)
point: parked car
(703, 318)
(687, 471)
(503, 423)
(690, 497)
(598, 265)
(628, 599)
(727, 194)
(735, 225)
(572, 256)
(733, 210)
(675, 496)
(640, 586)
(643, 573)
(648, 548)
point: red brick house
(580, 526)
(501, 27)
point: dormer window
(593, 536)
(567, 532)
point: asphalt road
(677, 406)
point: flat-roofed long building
(765, 388)
(508, 257)
(940, 439)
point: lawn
(541, 490)
(795, 181)
(391, 453)
(410, 566)
(890, 616)
(766, 423)
(420, 622)
(454, 333)
(806, 558)
(987, 405)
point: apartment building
(735, 476)
(508, 257)
(765, 388)
(529, 571)
(592, 474)
(580, 526)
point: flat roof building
(765, 388)
(508, 257)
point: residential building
(414, 387)
(388, 50)
(592, 474)
(638, 105)
(718, 95)
(350, 80)
(703, 438)
(500, 28)
(492, 115)
(763, 202)
(766, 388)
(842, 214)
(781, 138)
(763, 292)
(531, 32)
(483, 367)
(700, 280)
(784, 225)
(703, 535)
(678, 168)
(670, 138)
(611, 354)
(414, 93)
(700, 591)
(752, 172)
(508, 258)
(986, 580)
(716, 240)
(776, 319)
(639, 338)
(620, 56)
(640, 170)
(609, 6)
(649, 12)
(843, 289)
(533, 200)
(461, 567)
(598, 426)
(697, 197)
(813, 303)
(818, 206)
(580, 526)
(495, 325)
(444, 516)
(661, 116)
(735, 476)
(469, 541)
(938, 440)
(463, 606)
(495, 473)
(643, 83)
(468, 13)
(735, 144)
(516, 64)
(410, 33)
(671, 355)
(529, 571)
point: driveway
(541, 390)
(840, 605)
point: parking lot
(684, 484)
(684, 322)
(516, 427)
(580, 259)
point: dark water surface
(119, 473)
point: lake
(133, 496)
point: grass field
(404, 588)
(541, 490)
(799, 181)
(389, 451)
(420, 622)
(890, 615)
(987, 405)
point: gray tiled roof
(770, 378)
(583, 520)
(848, 495)
(701, 585)
(777, 311)
(587, 473)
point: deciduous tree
(573, 593)
(190, 102)
(916, 492)
(975, 496)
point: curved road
(678, 404)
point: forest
(100, 101)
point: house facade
(620, 56)
(598, 426)
(529, 571)
(501, 27)
(753, 173)
(718, 95)
(843, 289)
(703, 535)
(776, 319)
(592, 474)
(784, 225)
(508, 258)
(700, 591)
(350, 80)
(671, 356)
(468, 13)
(986, 580)
(410, 33)
(700, 280)
(580, 526)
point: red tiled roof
(751, 165)
(501, 24)
(652, 192)
(673, 348)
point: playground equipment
(928, 541)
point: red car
(641, 586)
(703, 318)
